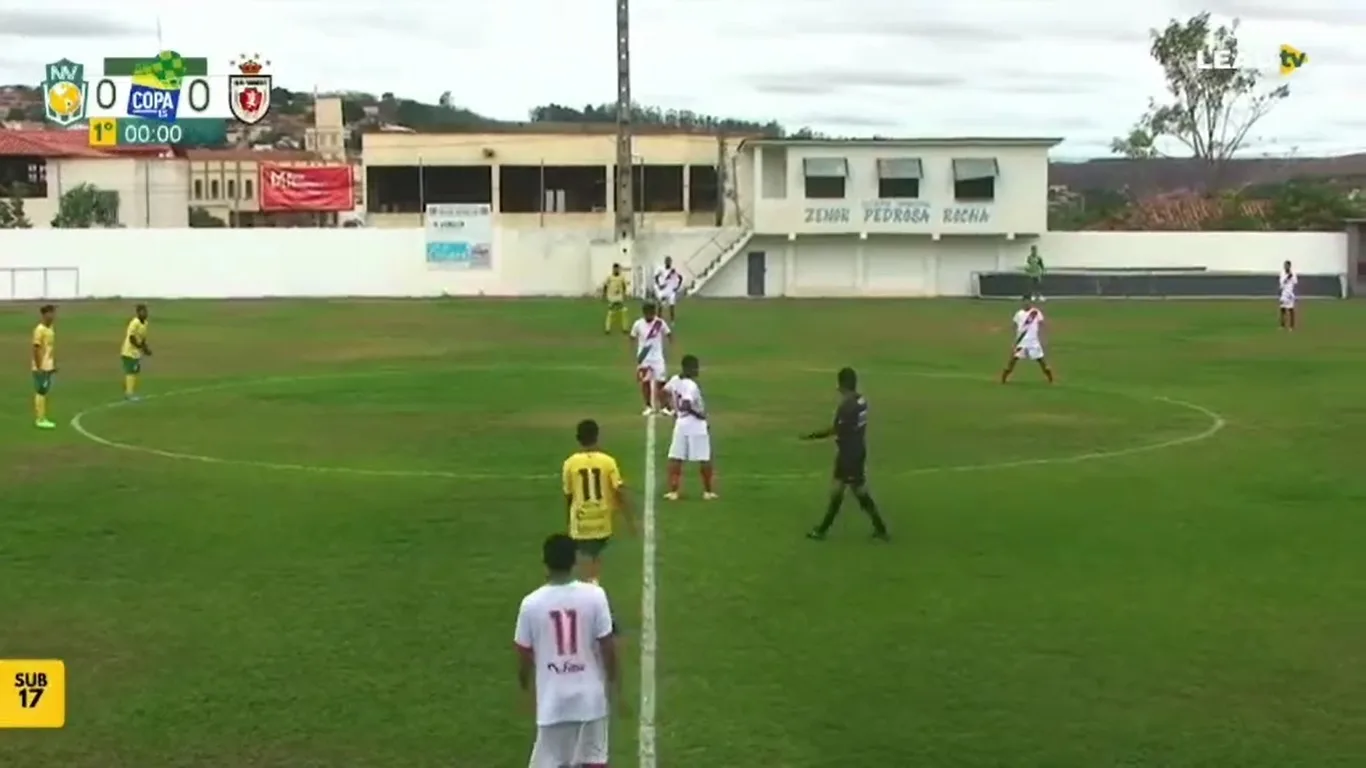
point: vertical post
(237, 193)
(625, 208)
(721, 176)
(421, 192)
(540, 197)
(146, 193)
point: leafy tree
(352, 111)
(1236, 213)
(12, 214)
(1206, 112)
(415, 114)
(15, 113)
(646, 115)
(202, 219)
(86, 206)
(1074, 211)
(445, 102)
(1311, 206)
(288, 102)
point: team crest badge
(64, 92)
(249, 92)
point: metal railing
(46, 280)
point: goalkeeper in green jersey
(1035, 269)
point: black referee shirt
(851, 425)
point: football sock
(610, 318)
(706, 478)
(831, 512)
(39, 407)
(865, 501)
(130, 384)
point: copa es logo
(64, 90)
(155, 91)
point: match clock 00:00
(138, 132)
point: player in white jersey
(1289, 282)
(565, 643)
(1028, 343)
(668, 284)
(651, 333)
(692, 436)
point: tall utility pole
(625, 207)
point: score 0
(201, 95)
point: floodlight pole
(625, 230)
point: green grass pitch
(1189, 597)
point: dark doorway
(758, 270)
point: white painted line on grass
(1216, 424)
(648, 639)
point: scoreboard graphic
(163, 99)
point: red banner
(306, 187)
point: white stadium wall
(253, 263)
(247, 263)
(811, 266)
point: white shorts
(652, 371)
(690, 447)
(1032, 351)
(1287, 303)
(570, 744)
(667, 298)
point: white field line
(1217, 422)
(648, 639)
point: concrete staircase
(704, 263)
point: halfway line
(647, 601)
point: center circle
(500, 422)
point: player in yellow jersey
(614, 292)
(134, 349)
(593, 493)
(44, 364)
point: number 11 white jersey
(561, 625)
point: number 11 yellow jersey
(591, 482)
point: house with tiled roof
(39, 166)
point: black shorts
(592, 548)
(850, 468)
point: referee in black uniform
(850, 430)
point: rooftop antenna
(159, 48)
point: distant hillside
(292, 112)
(1150, 177)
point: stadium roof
(63, 144)
(947, 141)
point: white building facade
(153, 192)
(789, 218)
(884, 217)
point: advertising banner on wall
(460, 235)
(306, 187)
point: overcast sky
(1077, 69)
